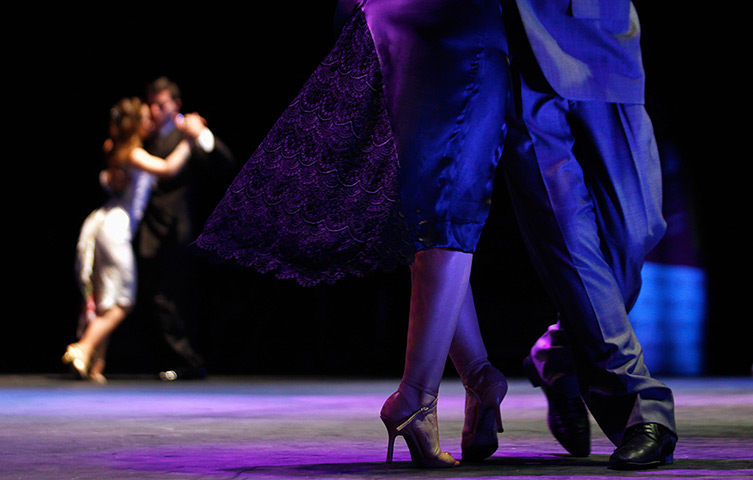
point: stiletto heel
(483, 418)
(391, 434)
(420, 431)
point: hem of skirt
(305, 277)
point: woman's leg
(100, 328)
(439, 282)
(485, 386)
(97, 364)
(95, 335)
(467, 351)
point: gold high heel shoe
(483, 419)
(420, 431)
(79, 363)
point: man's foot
(567, 416)
(183, 374)
(647, 445)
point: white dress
(105, 261)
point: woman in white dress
(105, 260)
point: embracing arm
(166, 167)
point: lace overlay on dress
(319, 198)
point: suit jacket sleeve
(587, 49)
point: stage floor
(52, 427)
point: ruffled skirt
(389, 148)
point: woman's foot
(416, 421)
(485, 390)
(78, 360)
(96, 370)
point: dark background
(239, 67)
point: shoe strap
(415, 414)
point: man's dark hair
(160, 84)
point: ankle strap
(419, 388)
(415, 414)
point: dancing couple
(401, 129)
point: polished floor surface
(53, 427)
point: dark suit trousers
(585, 183)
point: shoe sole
(667, 460)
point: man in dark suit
(585, 182)
(176, 210)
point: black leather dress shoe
(647, 445)
(567, 416)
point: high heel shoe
(483, 419)
(78, 361)
(419, 429)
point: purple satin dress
(390, 147)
